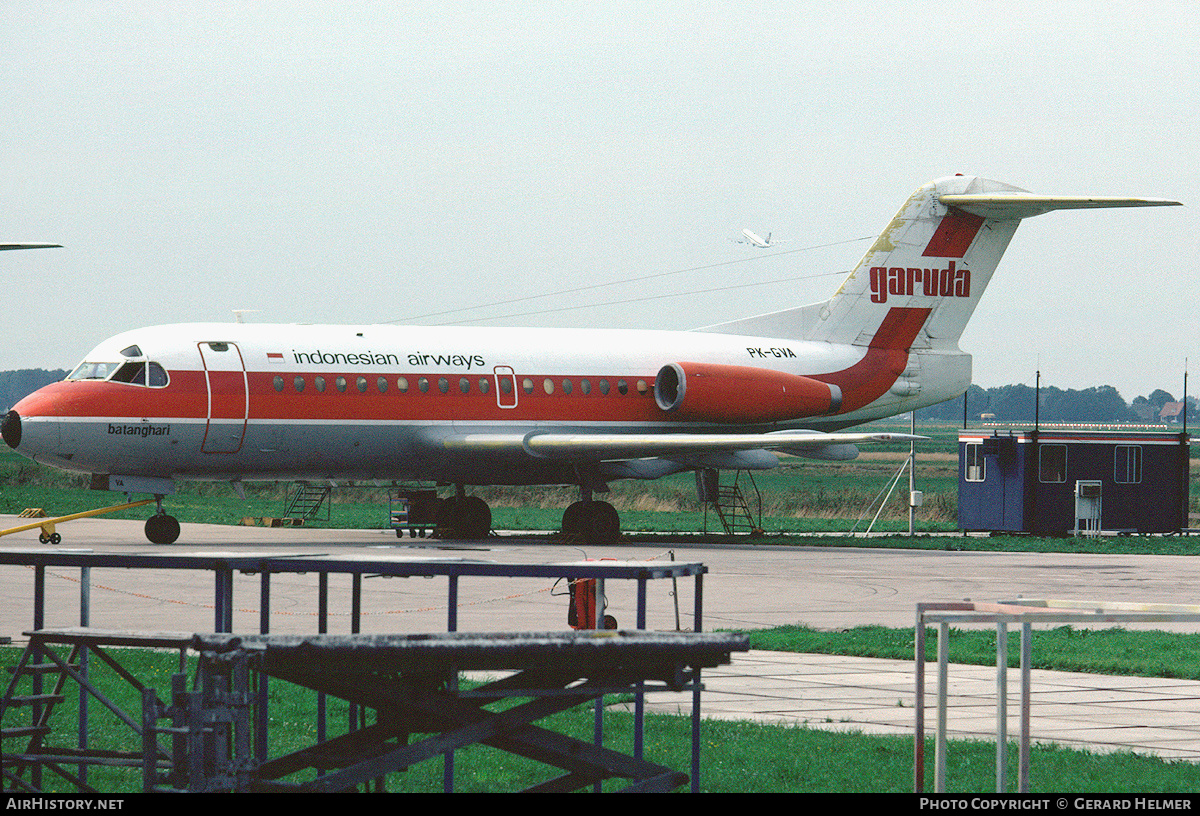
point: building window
(1127, 467)
(976, 468)
(1052, 463)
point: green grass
(737, 757)
(1064, 648)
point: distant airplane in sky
(761, 243)
(469, 406)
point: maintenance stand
(216, 734)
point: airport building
(1059, 482)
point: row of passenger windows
(465, 385)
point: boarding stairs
(729, 502)
(306, 500)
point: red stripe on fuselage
(186, 397)
(953, 235)
(886, 358)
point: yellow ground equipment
(48, 534)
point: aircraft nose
(10, 429)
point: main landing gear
(463, 516)
(592, 522)
(161, 528)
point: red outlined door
(506, 387)
(228, 397)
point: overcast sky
(372, 162)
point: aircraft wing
(615, 446)
(29, 246)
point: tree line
(1017, 403)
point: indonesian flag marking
(275, 357)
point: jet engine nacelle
(742, 394)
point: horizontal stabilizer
(1003, 206)
(635, 446)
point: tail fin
(932, 263)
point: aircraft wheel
(601, 524)
(573, 520)
(162, 529)
(55, 538)
(474, 517)
(465, 517)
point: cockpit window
(134, 373)
(93, 371)
(131, 351)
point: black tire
(464, 517)
(573, 520)
(474, 518)
(602, 525)
(162, 529)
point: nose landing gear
(162, 528)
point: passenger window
(340, 382)
(642, 387)
(402, 384)
(548, 385)
(381, 384)
(319, 384)
(604, 387)
(527, 385)
(566, 386)
(464, 385)
(299, 383)
(423, 384)
(443, 385)
(278, 383)
(483, 385)
(623, 387)
(585, 386)
(361, 383)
